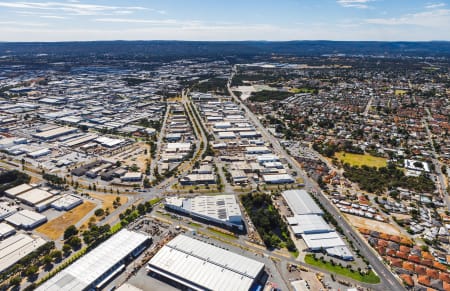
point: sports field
(360, 160)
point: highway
(388, 280)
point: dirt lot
(55, 228)
(373, 225)
(107, 200)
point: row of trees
(267, 221)
(11, 179)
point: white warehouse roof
(301, 202)
(308, 223)
(200, 266)
(98, 262)
(16, 247)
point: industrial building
(54, 133)
(6, 210)
(221, 209)
(67, 202)
(300, 202)
(196, 179)
(278, 179)
(6, 230)
(15, 247)
(132, 177)
(309, 224)
(96, 268)
(26, 219)
(200, 266)
(13, 192)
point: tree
(141, 208)
(48, 260)
(15, 281)
(74, 242)
(99, 212)
(66, 249)
(70, 231)
(31, 270)
(56, 255)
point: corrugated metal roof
(96, 263)
(205, 266)
(301, 202)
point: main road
(388, 280)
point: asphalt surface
(388, 280)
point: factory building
(221, 209)
(26, 219)
(200, 266)
(16, 247)
(99, 266)
(309, 224)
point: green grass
(370, 278)
(222, 234)
(116, 227)
(155, 201)
(195, 224)
(295, 254)
(360, 160)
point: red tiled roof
(414, 258)
(444, 277)
(427, 262)
(408, 266)
(420, 270)
(407, 279)
(439, 266)
(424, 280)
(433, 273)
(405, 249)
(401, 255)
(395, 238)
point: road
(437, 165)
(388, 280)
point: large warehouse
(300, 202)
(16, 247)
(97, 267)
(201, 266)
(220, 209)
(309, 224)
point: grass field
(55, 228)
(360, 160)
(370, 278)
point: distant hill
(186, 49)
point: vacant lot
(360, 160)
(371, 224)
(55, 228)
(108, 200)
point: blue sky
(67, 20)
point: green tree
(70, 231)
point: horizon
(233, 20)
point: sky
(85, 20)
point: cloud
(435, 5)
(52, 17)
(362, 4)
(70, 7)
(439, 18)
(140, 21)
